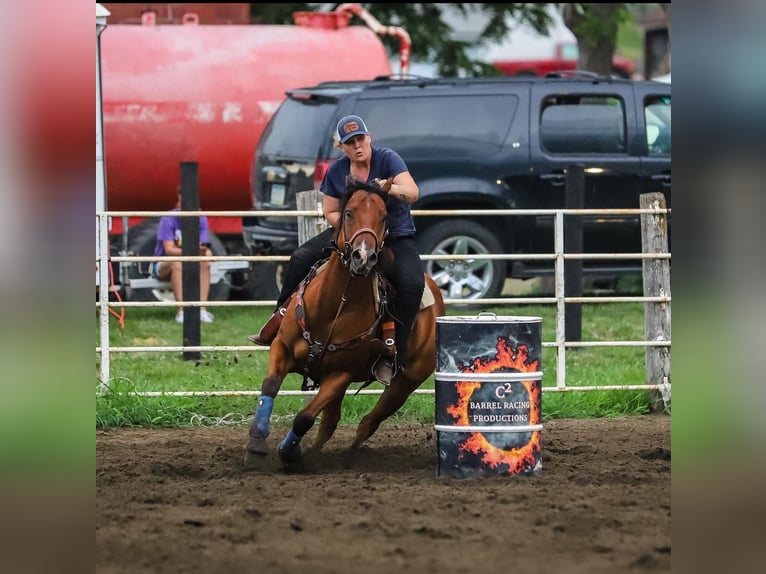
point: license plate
(277, 194)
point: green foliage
(433, 41)
(431, 37)
(244, 370)
(630, 42)
(597, 22)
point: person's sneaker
(384, 370)
(204, 315)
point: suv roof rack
(578, 74)
(401, 77)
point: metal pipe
(405, 42)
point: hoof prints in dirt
(180, 500)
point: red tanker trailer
(204, 93)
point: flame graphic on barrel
(507, 359)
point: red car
(564, 58)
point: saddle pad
(428, 298)
(425, 301)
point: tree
(594, 26)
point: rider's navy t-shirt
(384, 163)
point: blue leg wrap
(263, 415)
(290, 440)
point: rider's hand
(384, 184)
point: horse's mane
(353, 185)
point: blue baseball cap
(350, 126)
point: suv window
(417, 125)
(583, 124)
(303, 117)
(657, 118)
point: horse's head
(362, 227)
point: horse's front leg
(261, 425)
(328, 424)
(330, 389)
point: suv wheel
(463, 278)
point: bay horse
(329, 334)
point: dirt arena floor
(176, 501)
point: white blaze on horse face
(363, 251)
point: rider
(387, 169)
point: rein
(317, 348)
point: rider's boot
(268, 332)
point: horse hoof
(291, 458)
(255, 453)
(349, 458)
(258, 445)
(253, 461)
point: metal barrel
(488, 395)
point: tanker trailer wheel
(463, 278)
(141, 241)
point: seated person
(169, 243)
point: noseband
(347, 252)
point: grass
(243, 370)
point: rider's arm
(403, 187)
(331, 209)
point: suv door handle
(662, 177)
(554, 178)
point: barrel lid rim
(442, 376)
(489, 318)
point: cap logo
(349, 127)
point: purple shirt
(169, 229)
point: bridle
(347, 253)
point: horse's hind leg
(328, 423)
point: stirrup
(384, 369)
(269, 331)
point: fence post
(574, 195)
(190, 247)
(656, 276)
(309, 226)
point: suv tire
(463, 279)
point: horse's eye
(347, 214)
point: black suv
(481, 143)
